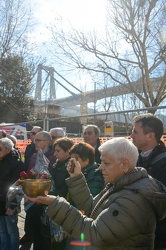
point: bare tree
(133, 56)
(15, 22)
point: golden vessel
(36, 187)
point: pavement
(21, 220)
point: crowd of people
(113, 193)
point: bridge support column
(46, 124)
(83, 108)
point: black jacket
(10, 168)
(59, 174)
(29, 151)
(97, 153)
(157, 169)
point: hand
(73, 167)
(45, 200)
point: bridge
(82, 98)
(94, 95)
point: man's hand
(46, 200)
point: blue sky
(84, 14)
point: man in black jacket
(30, 149)
(146, 135)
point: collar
(146, 153)
(47, 150)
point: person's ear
(8, 150)
(125, 165)
(150, 136)
(87, 162)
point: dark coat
(158, 171)
(36, 211)
(97, 153)
(10, 168)
(29, 151)
(94, 178)
(59, 174)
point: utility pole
(94, 101)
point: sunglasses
(33, 133)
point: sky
(82, 14)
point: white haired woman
(10, 168)
(124, 214)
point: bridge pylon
(40, 85)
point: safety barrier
(22, 144)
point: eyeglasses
(38, 140)
(88, 133)
(33, 133)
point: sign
(108, 128)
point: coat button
(115, 213)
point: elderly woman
(10, 168)
(123, 215)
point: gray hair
(37, 127)
(58, 131)
(8, 144)
(45, 134)
(12, 138)
(95, 127)
(121, 148)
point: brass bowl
(36, 187)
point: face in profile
(139, 138)
(112, 169)
(41, 142)
(3, 151)
(60, 154)
(54, 137)
(33, 133)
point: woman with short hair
(85, 155)
(59, 173)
